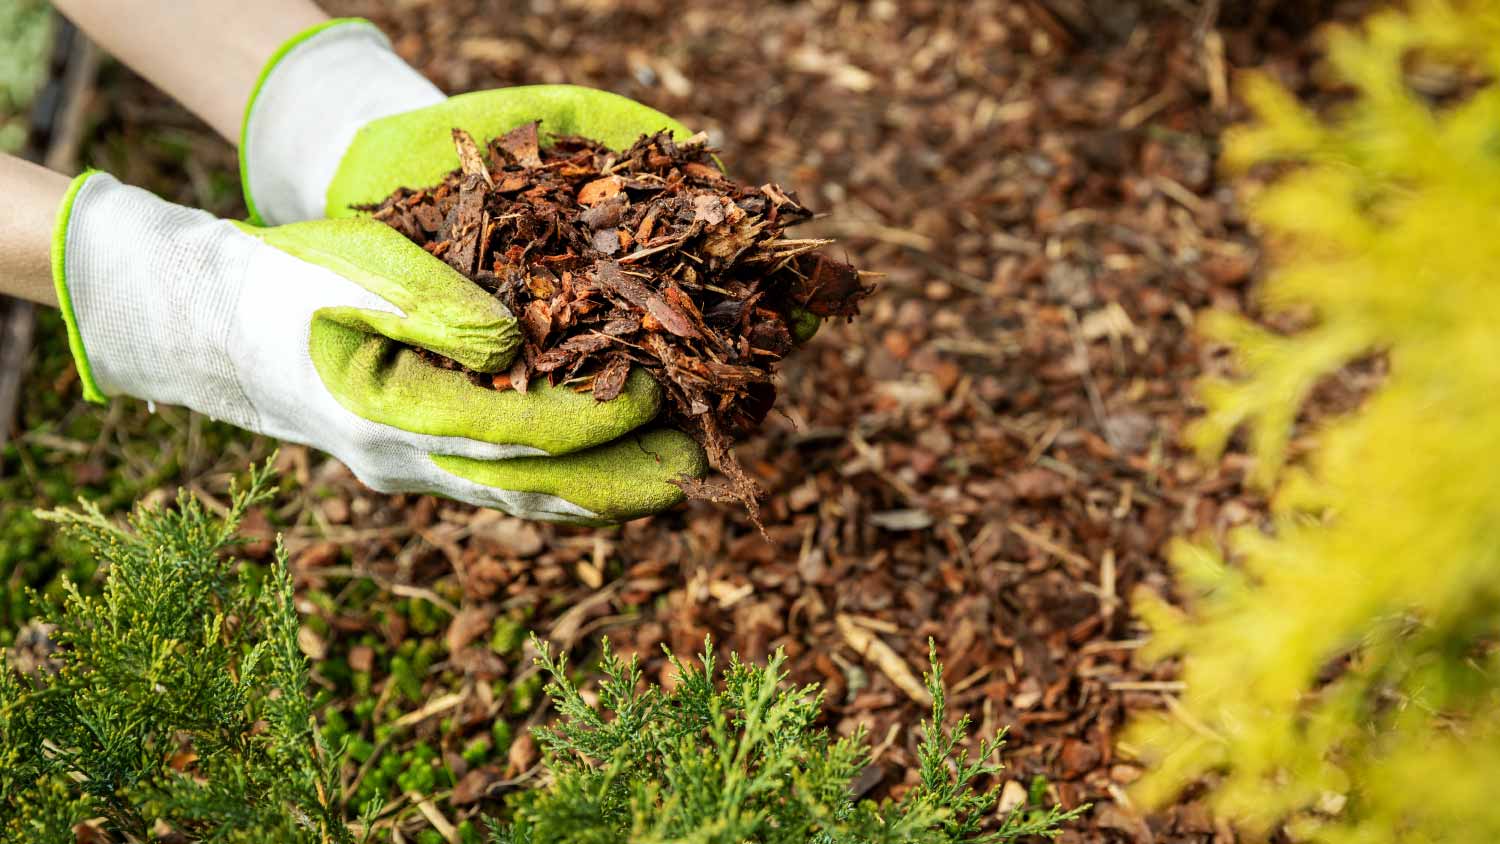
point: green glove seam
(260, 81)
(91, 389)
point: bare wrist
(27, 219)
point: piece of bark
(610, 381)
(17, 325)
(470, 162)
(521, 145)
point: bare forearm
(32, 195)
(207, 54)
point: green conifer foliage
(177, 707)
(1341, 668)
(737, 757)
(179, 700)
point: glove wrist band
(313, 96)
(59, 253)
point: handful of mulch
(649, 257)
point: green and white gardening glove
(338, 120)
(301, 332)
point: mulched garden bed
(988, 457)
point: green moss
(420, 778)
(407, 680)
(427, 652)
(360, 750)
(507, 636)
(477, 750)
(334, 724)
(426, 618)
(391, 765)
(524, 694)
(502, 734)
(364, 708)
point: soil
(646, 257)
(989, 457)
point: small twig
(565, 630)
(1096, 401)
(1108, 600)
(1146, 109)
(1035, 539)
(1148, 686)
(17, 320)
(871, 647)
(425, 594)
(434, 707)
(430, 811)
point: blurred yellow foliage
(1341, 668)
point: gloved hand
(339, 120)
(297, 331)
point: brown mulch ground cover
(989, 457)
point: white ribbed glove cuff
(152, 287)
(313, 97)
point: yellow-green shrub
(1341, 668)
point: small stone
(900, 520)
